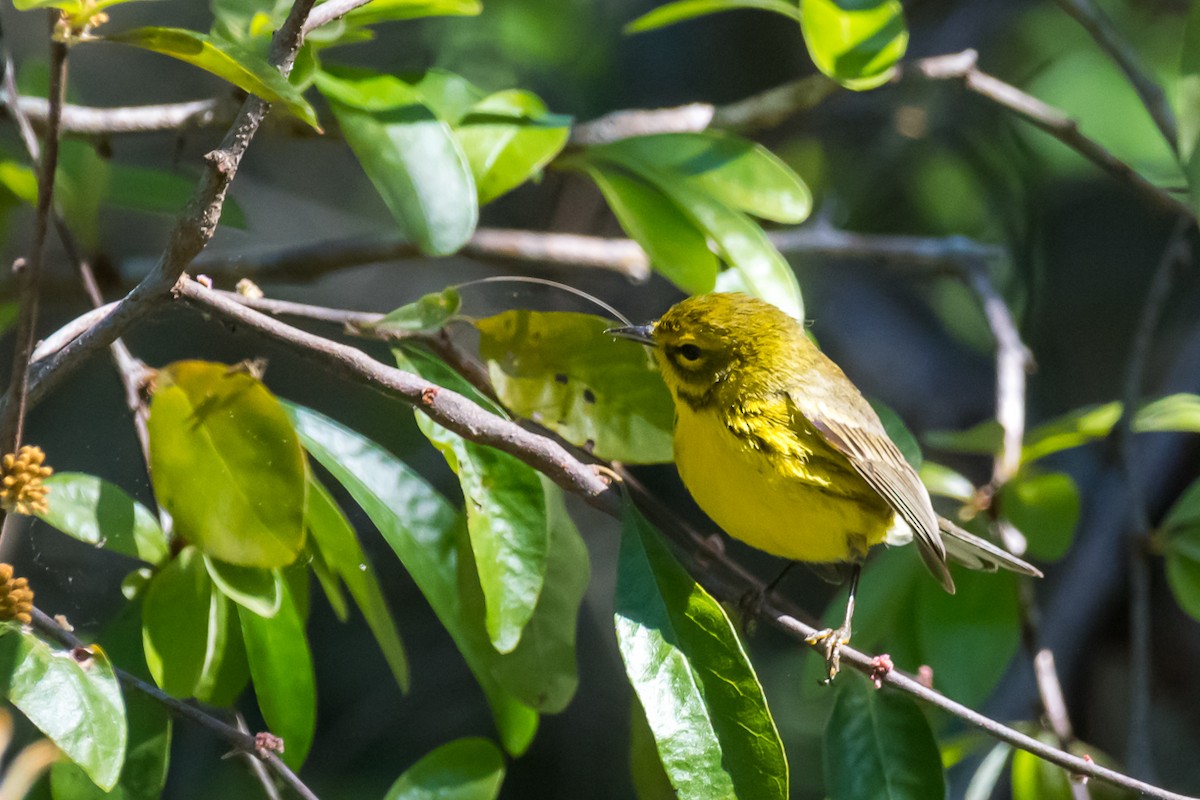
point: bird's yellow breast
(772, 482)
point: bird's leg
(834, 638)
(751, 602)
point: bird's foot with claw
(832, 640)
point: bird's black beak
(638, 333)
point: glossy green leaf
(240, 66)
(677, 249)
(682, 10)
(99, 513)
(396, 10)
(430, 313)
(465, 769)
(282, 670)
(227, 465)
(190, 632)
(562, 371)
(878, 744)
(259, 590)
(426, 533)
(334, 538)
(449, 95)
(650, 781)
(74, 699)
(942, 481)
(702, 700)
(738, 173)
(1045, 508)
(855, 42)
(156, 191)
(506, 519)
(899, 433)
(409, 154)
(147, 752)
(507, 138)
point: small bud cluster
(21, 488)
(16, 598)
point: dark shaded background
(917, 158)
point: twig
(460, 415)
(1178, 251)
(962, 67)
(87, 121)
(12, 419)
(243, 741)
(192, 231)
(1101, 28)
(329, 11)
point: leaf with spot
(226, 464)
(562, 371)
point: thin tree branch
(88, 121)
(1177, 252)
(962, 67)
(1101, 28)
(244, 742)
(464, 417)
(329, 11)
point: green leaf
(1188, 103)
(465, 769)
(738, 173)
(193, 645)
(1035, 779)
(879, 745)
(855, 42)
(702, 700)
(682, 10)
(506, 519)
(73, 698)
(227, 465)
(507, 138)
(1044, 507)
(650, 781)
(240, 66)
(987, 775)
(80, 186)
(1184, 514)
(677, 249)
(99, 513)
(334, 538)
(282, 670)
(427, 534)
(1075, 428)
(450, 96)
(19, 180)
(899, 433)
(983, 439)
(942, 481)
(1180, 532)
(259, 590)
(409, 154)
(560, 370)
(156, 191)
(430, 313)
(147, 753)
(396, 10)
(1173, 413)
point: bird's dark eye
(690, 352)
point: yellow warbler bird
(782, 451)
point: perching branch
(243, 741)
(469, 420)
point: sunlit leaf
(19, 180)
(1072, 429)
(340, 551)
(410, 155)
(282, 669)
(428, 535)
(72, 697)
(430, 313)
(506, 519)
(395, 10)
(855, 42)
(682, 10)
(507, 138)
(942, 481)
(1036, 779)
(1173, 413)
(702, 700)
(259, 590)
(987, 774)
(193, 644)
(241, 67)
(227, 465)
(1045, 508)
(650, 781)
(677, 248)
(465, 769)
(878, 744)
(560, 370)
(99, 513)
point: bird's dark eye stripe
(689, 351)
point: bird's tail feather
(975, 552)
